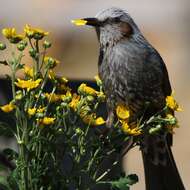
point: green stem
(37, 58)
(13, 83)
(106, 172)
(24, 181)
(31, 43)
(42, 87)
(93, 159)
(53, 91)
(43, 56)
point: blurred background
(166, 24)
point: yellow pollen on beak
(79, 22)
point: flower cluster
(123, 115)
(84, 102)
(165, 120)
(52, 62)
(54, 123)
(11, 35)
(42, 114)
(28, 84)
(33, 83)
(172, 104)
(35, 33)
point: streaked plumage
(134, 73)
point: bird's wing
(142, 75)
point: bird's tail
(162, 175)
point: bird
(133, 73)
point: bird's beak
(86, 21)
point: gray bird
(133, 73)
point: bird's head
(112, 25)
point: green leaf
(132, 179)
(123, 183)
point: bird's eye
(111, 20)
(117, 19)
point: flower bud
(43, 97)
(21, 47)
(155, 129)
(63, 105)
(46, 44)
(32, 52)
(170, 119)
(90, 98)
(98, 80)
(39, 115)
(18, 95)
(2, 46)
(38, 36)
(58, 108)
(78, 131)
(31, 133)
(23, 42)
(60, 130)
(173, 121)
(50, 62)
(20, 142)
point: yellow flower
(68, 93)
(172, 104)
(101, 96)
(41, 110)
(122, 112)
(29, 71)
(51, 74)
(51, 61)
(11, 35)
(9, 32)
(31, 111)
(64, 80)
(93, 120)
(79, 22)
(8, 107)
(74, 102)
(84, 89)
(28, 84)
(130, 131)
(53, 97)
(66, 97)
(47, 120)
(99, 121)
(35, 33)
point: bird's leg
(109, 124)
(110, 119)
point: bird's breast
(109, 70)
